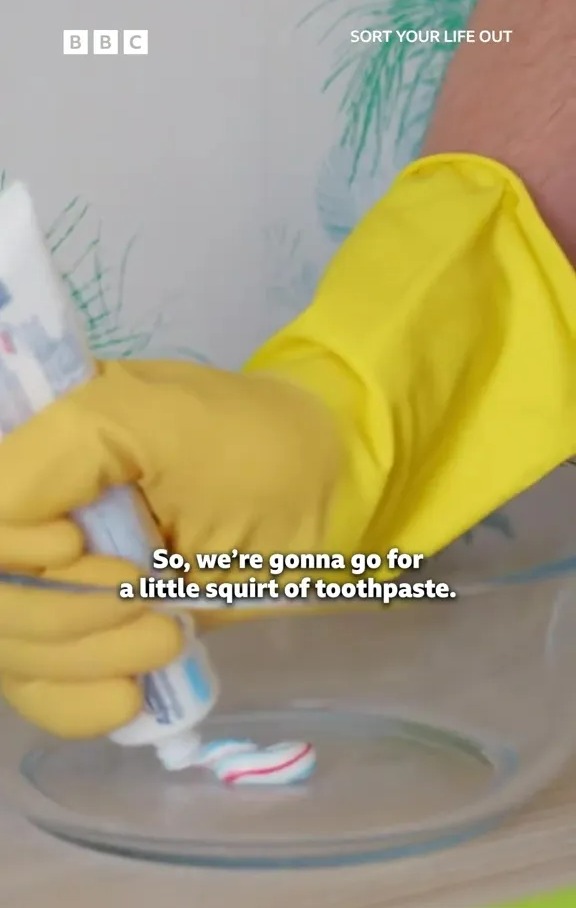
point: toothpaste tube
(43, 354)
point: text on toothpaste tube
(227, 593)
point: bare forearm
(516, 103)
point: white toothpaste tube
(43, 354)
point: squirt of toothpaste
(44, 354)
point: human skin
(516, 102)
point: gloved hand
(218, 457)
(66, 660)
(432, 379)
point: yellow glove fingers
(51, 544)
(140, 646)
(52, 616)
(77, 711)
(96, 570)
(73, 449)
(46, 615)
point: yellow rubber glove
(67, 660)
(443, 340)
(432, 379)
(218, 457)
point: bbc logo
(105, 41)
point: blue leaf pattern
(292, 274)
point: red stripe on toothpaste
(231, 777)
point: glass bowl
(431, 721)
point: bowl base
(386, 785)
